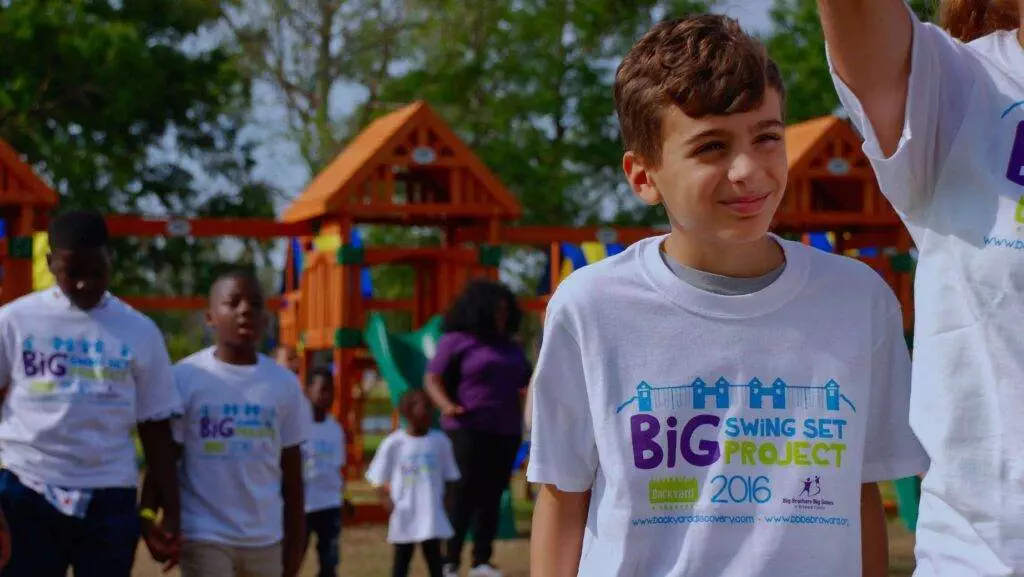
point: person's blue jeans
(45, 542)
(326, 523)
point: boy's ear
(639, 178)
(208, 318)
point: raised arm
(869, 42)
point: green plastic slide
(401, 357)
(402, 361)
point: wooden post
(556, 265)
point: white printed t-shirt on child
(238, 419)
(324, 455)
(957, 180)
(722, 435)
(417, 469)
(77, 383)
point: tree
(528, 84)
(132, 106)
(798, 45)
(306, 52)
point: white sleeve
(382, 466)
(942, 75)
(563, 450)
(157, 395)
(451, 468)
(891, 450)
(297, 419)
(8, 349)
(178, 423)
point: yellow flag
(327, 242)
(41, 277)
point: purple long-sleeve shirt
(493, 375)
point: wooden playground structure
(408, 168)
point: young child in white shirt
(80, 369)
(411, 471)
(716, 401)
(325, 457)
(245, 419)
(941, 111)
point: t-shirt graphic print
(724, 435)
(725, 444)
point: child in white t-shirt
(245, 419)
(715, 401)
(79, 369)
(411, 471)
(942, 116)
(325, 457)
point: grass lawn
(365, 552)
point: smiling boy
(715, 401)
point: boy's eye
(707, 147)
(768, 137)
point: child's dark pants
(45, 542)
(431, 551)
(326, 523)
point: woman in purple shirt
(476, 379)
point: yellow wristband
(147, 514)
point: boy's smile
(748, 205)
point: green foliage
(798, 45)
(528, 85)
(133, 107)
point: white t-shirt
(77, 383)
(957, 179)
(238, 419)
(722, 435)
(324, 454)
(416, 469)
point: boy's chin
(746, 232)
(242, 343)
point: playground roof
(385, 144)
(19, 184)
(811, 143)
(801, 138)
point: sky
(278, 162)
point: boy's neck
(746, 260)
(236, 355)
(319, 415)
(416, 432)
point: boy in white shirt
(716, 401)
(80, 370)
(411, 471)
(245, 419)
(325, 457)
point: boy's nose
(748, 170)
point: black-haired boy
(411, 471)
(80, 370)
(245, 419)
(325, 456)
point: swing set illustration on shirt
(726, 394)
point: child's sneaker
(450, 570)
(485, 570)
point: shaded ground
(365, 554)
